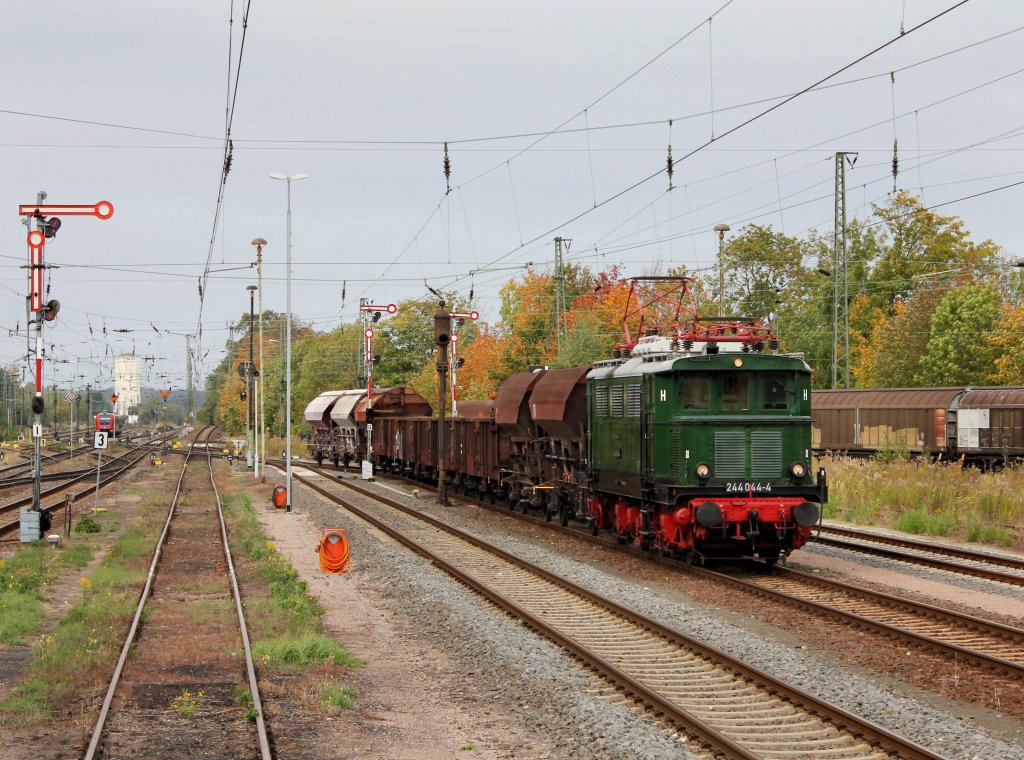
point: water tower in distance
(127, 383)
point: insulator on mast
(895, 163)
(447, 171)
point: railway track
(996, 647)
(154, 669)
(12, 470)
(725, 706)
(114, 468)
(989, 566)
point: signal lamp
(241, 395)
(460, 362)
(739, 362)
(37, 405)
(442, 328)
(376, 317)
(51, 309)
(376, 358)
(50, 226)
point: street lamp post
(721, 229)
(250, 409)
(260, 399)
(288, 342)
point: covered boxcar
(870, 420)
(990, 425)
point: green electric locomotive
(704, 453)
(699, 443)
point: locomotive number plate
(748, 487)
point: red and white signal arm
(455, 338)
(35, 244)
(389, 308)
(474, 315)
(101, 210)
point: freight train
(696, 444)
(982, 426)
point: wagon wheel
(594, 527)
(563, 515)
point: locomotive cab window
(775, 391)
(696, 392)
(735, 390)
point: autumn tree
(891, 356)
(1007, 339)
(916, 243)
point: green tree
(759, 263)
(958, 351)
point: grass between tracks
(285, 622)
(22, 578)
(932, 498)
(80, 653)
(284, 618)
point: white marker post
(99, 443)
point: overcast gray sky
(361, 95)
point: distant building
(127, 383)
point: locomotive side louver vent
(730, 454)
(765, 460)
(601, 400)
(616, 401)
(633, 400)
(677, 454)
(765, 453)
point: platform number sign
(100, 440)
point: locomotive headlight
(703, 471)
(798, 470)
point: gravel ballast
(531, 675)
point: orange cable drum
(333, 549)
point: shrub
(86, 524)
